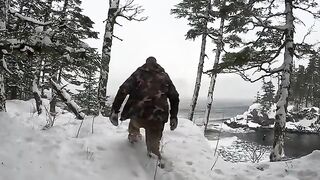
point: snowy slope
(27, 152)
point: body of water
(220, 109)
(296, 145)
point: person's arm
(123, 91)
(173, 96)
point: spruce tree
(267, 98)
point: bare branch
(310, 30)
(117, 38)
(306, 9)
(131, 11)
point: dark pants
(153, 134)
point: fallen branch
(67, 100)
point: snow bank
(304, 168)
(27, 152)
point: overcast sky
(161, 36)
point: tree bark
(36, 95)
(3, 26)
(280, 121)
(2, 93)
(106, 54)
(200, 68)
(219, 49)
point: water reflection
(296, 145)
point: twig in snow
(92, 124)
(50, 120)
(216, 149)
(79, 129)
(89, 154)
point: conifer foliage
(42, 40)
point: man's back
(148, 88)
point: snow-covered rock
(306, 120)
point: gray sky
(161, 36)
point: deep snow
(28, 152)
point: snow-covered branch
(5, 67)
(67, 100)
(262, 23)
(28, 19)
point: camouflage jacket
(148, 89)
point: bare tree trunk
(106, 54)
(3, 26)
(280, 121)
(214, 76)
(200, 68)
(36, 94)
(2, 93)
(198, 79)
(4, 5)
(53, 102)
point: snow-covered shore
(28, 152)
(254, 119)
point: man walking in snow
(147, 107)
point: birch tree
(130, 12)
(197, 13)
(219, 48)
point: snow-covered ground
(28, 152)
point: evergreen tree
(52, 33)
(257, 98)
(298, 92)
(312, 79)
(267, 98)
(88, 97)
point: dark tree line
(305, 91)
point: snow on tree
(130, 12)
(52, 34)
